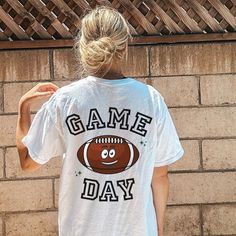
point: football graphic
(108, 154)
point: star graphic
(78, 173)
(143, 142)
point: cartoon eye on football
(108, 154)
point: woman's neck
(112, 75)
(114, 72)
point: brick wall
(198, 83)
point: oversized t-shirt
(110, 135)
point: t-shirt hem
(32, 153)
(179, 155)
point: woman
(115, 134)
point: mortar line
(187, 75)
(204, 106)
(169, 205)
(29, 211)
(149, 61)
(199, 90)
(181, 138)
(4, 162)
(51, 64)
(201, 219)
(3, 97)
(202, 204)
(4, 213)
(137, 76)
(198, 171)
(29, 178)
(174, 172)
(200, 154)
(53, 192)
(208, 138)
(225, 235)
(169, 107)
(147, 78)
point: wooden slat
(184, 38)
(139, 17)
(3, 36)
(202, 12)
(166, 19)
(33, 23)
(125, 14)
(31, 44)
(149, 16)
(12, 25)
(137, 40)
(224, 11)
(67, 11)
(54, 22)
(190, 23)
(82, 4)
(40, 30)
(211, 12)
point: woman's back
(108, 132)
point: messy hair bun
(103, 37)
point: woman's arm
(160, 189)
(23, 125)
(41, 90)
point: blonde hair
(103, 37)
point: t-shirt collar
(119, 81)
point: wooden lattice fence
(57, 19)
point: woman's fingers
(46, 93)
(46, 89)
(39, 91)
(47, 86)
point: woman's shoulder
(71, 86)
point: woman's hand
(39, 91)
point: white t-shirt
(111, 134)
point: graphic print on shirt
(108, 154)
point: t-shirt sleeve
(169, 148)
(44, 139)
